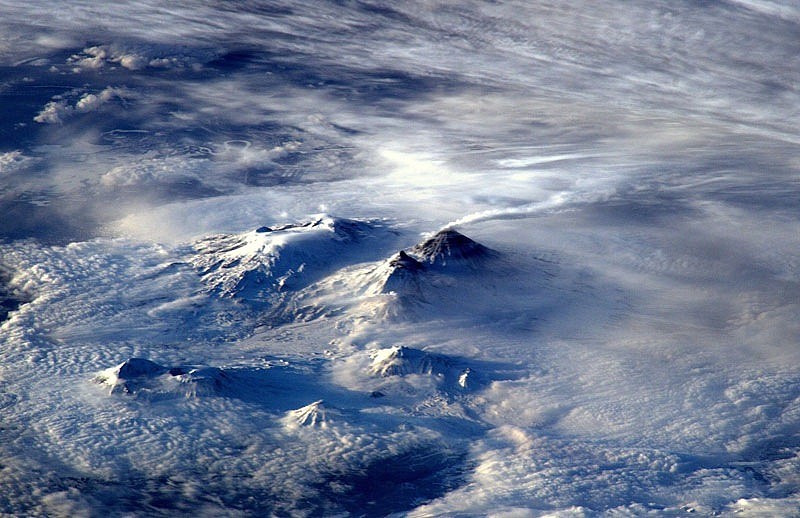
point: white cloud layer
(629, 346)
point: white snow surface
(400, 259)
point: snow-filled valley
(366, 259)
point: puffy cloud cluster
(94, 58)
(90, 102)
(102, 56)
(56, 111)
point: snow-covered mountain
(261, 265)
(314, 415)
(144, 378)
(451, 248)
(403, 361)
(440, 275)
(401, 276)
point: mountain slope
(451, 248)
(443, 275)
(258, 265)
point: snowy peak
(401, 361)
(315, 415)
(142, 377)
(403, 261)
(130, 374)
(428, 271)
(342, 228)
(257, 265)
(398, 275)
(451, 247)
(434, 278)
(203, 381)
(402, 275)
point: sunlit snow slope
(428, 259)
